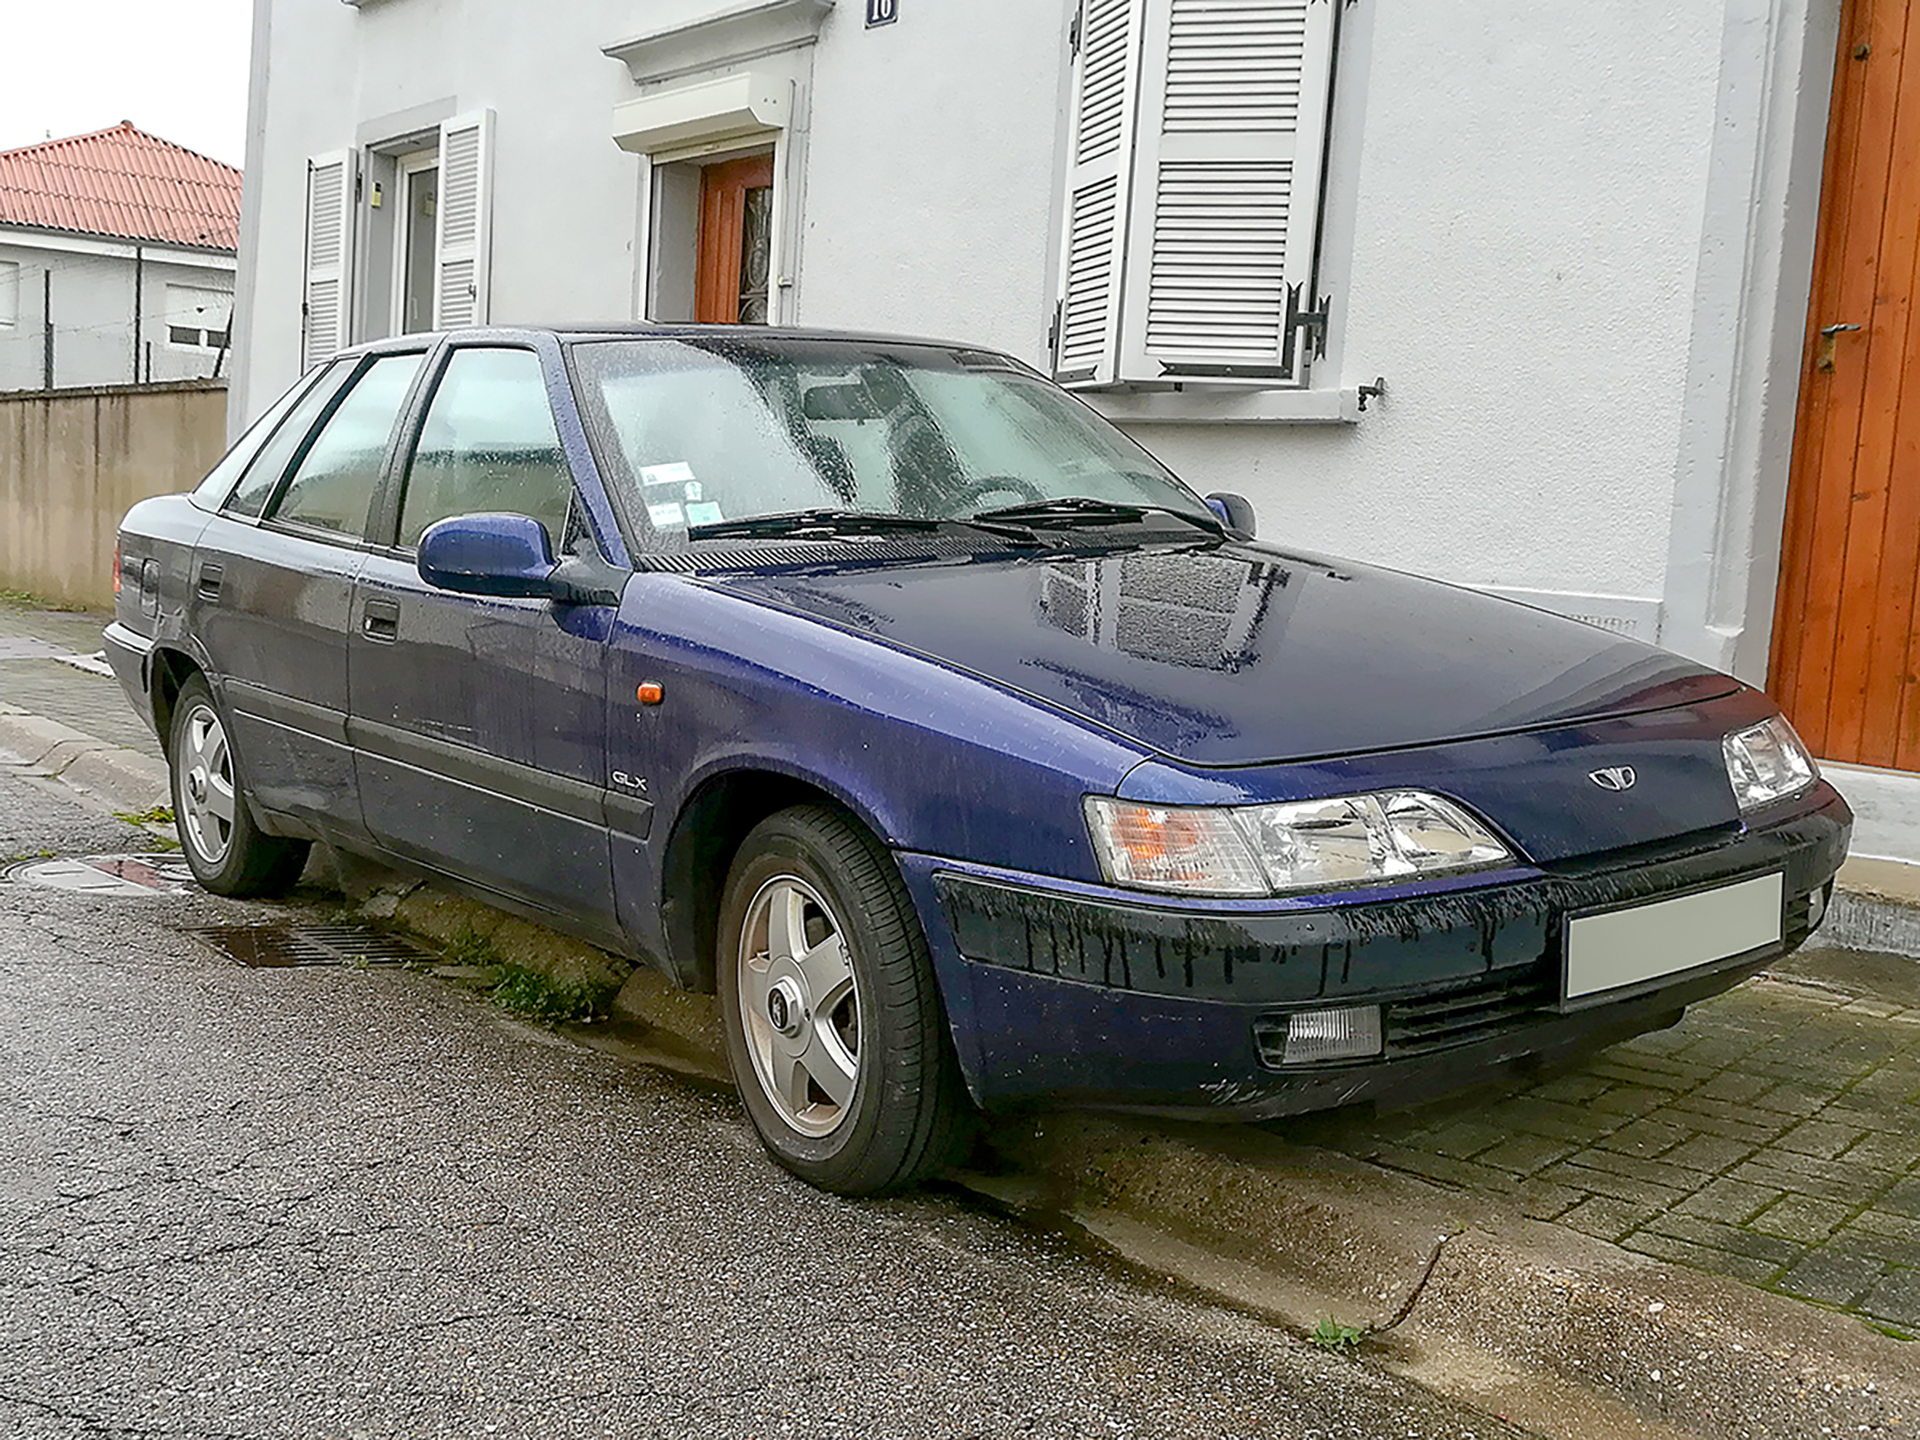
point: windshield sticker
(707, 513)
(695, 490)
(665, 516)
(677, 473)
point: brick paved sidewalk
(1772, 1136)
(44, 686)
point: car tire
(228, 853)
(842, 1053)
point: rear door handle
(208, 583)
(380, 620)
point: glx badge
(1614, 777)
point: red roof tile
(122, 182)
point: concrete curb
(125, 779)
(1558, 1332)
(1876, 906)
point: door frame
(405, 167)
(1751, 292)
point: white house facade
(1508, 294)
(116, 261)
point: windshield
(711, 430)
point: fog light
(1316, 1035)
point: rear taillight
(116, 569)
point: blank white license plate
(1645, 942)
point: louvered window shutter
(465, 221)
(327, 298)
(1234, 99)
(1106, 82)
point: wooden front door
(734, 248)
(1846, 646)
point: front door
(1846, 649)
(734, 250)
(479, 724)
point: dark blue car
(970, 756)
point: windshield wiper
(807, 524)
(1085, 510)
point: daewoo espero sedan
(971, 757)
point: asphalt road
(337, 1202)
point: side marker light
(651, 693)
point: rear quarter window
(212, 492)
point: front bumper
(1085, 995)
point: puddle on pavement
(113, 875)
(282, 947)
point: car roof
(647, 330)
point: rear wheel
(833, 1022)
(226, 851)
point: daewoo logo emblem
(1614, 777)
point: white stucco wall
(1517, 209)
(92, 308)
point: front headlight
(1337, 844)
(1767, 762)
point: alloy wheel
(206, 796)
(799, 1005)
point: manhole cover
(278, 947)
(109, 874)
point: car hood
(1241, 654)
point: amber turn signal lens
(651, 694)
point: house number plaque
(882, 12)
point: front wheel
(833, 1022)
(227, 852)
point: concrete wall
(1534, 230)
(92, 305)
(72, 462)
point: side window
(488, 444)
(273, 449)
(334, 482)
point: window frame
(384, 527)
(270, 518)
(202, 346)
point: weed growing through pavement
(523, 992)
(23, 856)
(470, 947)
(533, 996)
(27, 600)
(158, 815)
(1331, 1335)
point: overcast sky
(175, 68)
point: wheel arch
(717, 815)
(168, 670)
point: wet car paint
(961, 707)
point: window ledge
(1228, 407)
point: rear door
(272, 578)
(479, 724)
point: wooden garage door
(1846, 650)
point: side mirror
(505, 555)
(1234, 512)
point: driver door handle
(380, 620)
